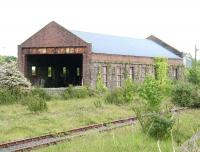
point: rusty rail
(5, 146)
(67, 135)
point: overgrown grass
(77, 92)
(10, 96)
(17, 122)
(131, 139)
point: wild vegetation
(100, 86)
(39, 113)
(18, 122)
(193, 73)
(186, 94)
(15, 88)
(77, 92)
(132, 138)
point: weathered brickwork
(129, 59)
(142, 66)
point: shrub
(11, 77)
(151, 92)
(140, 108)
(76, 92)
(152, 123)
(36, 104)
(68, 92)
(81, 92)
(186, 94)
(194, 74)
(196, 102)
(115, 96)
(13, 85)
(9, 96)
(159, 126)
(41, 94)
(182, 94)
(100, 86)
(128, 90)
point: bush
(36, 104)
(186, 95)
(41, 94)
(196, 102)
(128, 90)
(13, 85)
(11, 77)
(160, 126)
(68, 92)
(182, 94)
(81, 92)
(9, 96)
(115, 96)
(154, 124)
(194, 75)
(152, 93)
(76, 92)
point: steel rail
(50, 139)
(60, 136)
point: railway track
(50, 139)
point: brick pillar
(20, 59)
(25, 70)
(86, 65)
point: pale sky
(177, 22)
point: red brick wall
(99, 57)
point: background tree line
(7, 59)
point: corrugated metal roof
(124, 45)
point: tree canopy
(7, 59)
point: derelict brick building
(57, 57)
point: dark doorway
(55, 70)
